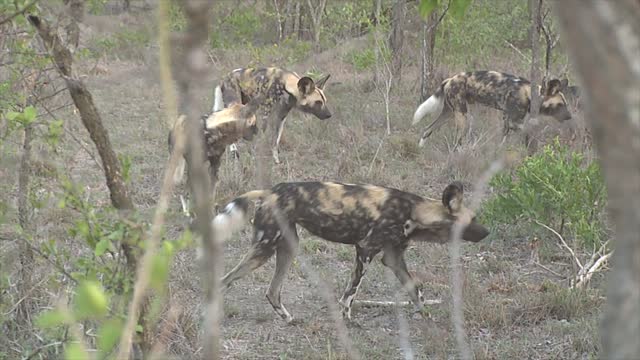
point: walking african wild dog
(501, 91)
(280, 86)
(372, 218)
(220, 129)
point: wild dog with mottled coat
(372, 218)
(509, 93)
(220, 129)
(280, 86)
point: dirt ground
(513, 307)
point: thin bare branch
(564, 243)
(457, 313)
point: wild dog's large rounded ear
(306, 85)
(320, 83)
(452, 196)
(553, 87)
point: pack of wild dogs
(374, 219)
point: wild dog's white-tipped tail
(432, 106)
(218, 102)
(234, 215)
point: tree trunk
(604, 40)
(92, 121)
(287, 19)
(88, 113)
(76, 13)
(530, 138)
(375, 12)
(428, 59)
(316, 14)
(279, 20)
(296, 21)
(396, 37)
(194, 62)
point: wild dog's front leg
(275, 150)
(394, 260)
(362, 259)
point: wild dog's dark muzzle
(324, 114)
(475, 232)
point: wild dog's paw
(276, 157)
(345, 310)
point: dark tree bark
(296, 20)
(604, 40)
(92, 121)
(88, 113)
(534, 12)
(76, 12)
(429, 32)
(316, 13)
(396, 37)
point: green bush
(555, 187)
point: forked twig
(457, 313)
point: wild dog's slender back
(372, 218)
(508, 93)
(284, 91)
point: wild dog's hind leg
(261, 250)
(394, 260)
(285, 252)
(435, 125)
(461, 126)
(275, 149)
(363, 258)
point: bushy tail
(218, 102)
(432, 106)
(234, 215)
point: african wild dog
(279, 86)
(220, 129)
(501, 91)
(372, 218)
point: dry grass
(513, 308)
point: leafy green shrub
(96, 7)
(243, 27)
(125, 43)
(345, 20)
(555, 187)
(484, 31)
(363, 59)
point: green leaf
(12, 115)
(75, 351)
(52, 318)
(55, 131)
(109, 334)
(427, 6)
(30, 114)
(458, 8)
(102, 246)
(139, 328)
(168, 248)
(90, 301)
(159, 271)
